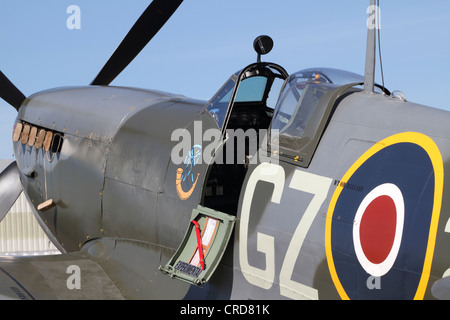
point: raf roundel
(378, 229)
(386, 227)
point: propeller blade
(145, 28)
(10, 188)
(10, 93)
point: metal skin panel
(173, 213)
(141, 175)
(75, 177)
(141, 148)
(119, 221)
(89, 112)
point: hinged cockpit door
(202, 248)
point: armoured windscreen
(250, 90)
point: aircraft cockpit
(244, 104)
(294, 110)
(246, 101)
(262, 99)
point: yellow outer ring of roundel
(436, 159)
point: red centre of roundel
(377, 229)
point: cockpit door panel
(203, 246)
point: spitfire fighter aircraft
(345, 197)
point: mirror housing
(262, 45)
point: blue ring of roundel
(408, 166)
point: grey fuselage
(111, 177)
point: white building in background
(20, 233)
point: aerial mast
(372, 24)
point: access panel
(202, 248)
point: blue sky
(206, 41)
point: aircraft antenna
(369, 74)
(379, 43)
